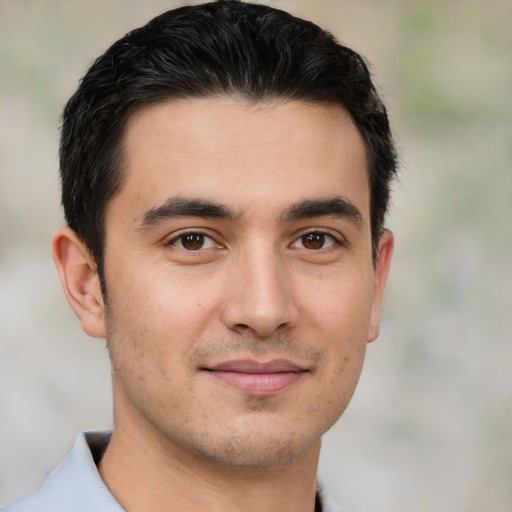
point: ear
(385, 250)
(79, 279)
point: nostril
(243, 327)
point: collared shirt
(76, 486)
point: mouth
(257, 378)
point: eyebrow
(179, 206)
(330, 207)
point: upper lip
(251, 366)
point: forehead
(243, 154)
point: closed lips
(257, 378)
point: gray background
(429, 427)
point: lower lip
(258, 384)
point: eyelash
(173, 241)
(322, 234)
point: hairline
(121, 164)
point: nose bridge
(261, 295)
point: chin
(257, 453)
(257, 446)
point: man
(225, 176)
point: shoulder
(75, 484)
(35, 502)
(30, 503)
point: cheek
(156, 318)
(341, 305)
(165, 297)
(339, 319)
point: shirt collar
(79, 468)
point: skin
(215, 254)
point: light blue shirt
(76, 486)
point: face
(238, 266)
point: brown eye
(192, 241)
(313, 240)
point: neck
(146, 474)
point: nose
(259, 297)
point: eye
(315, 240)
(193, 241)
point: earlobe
(382, 263)
(79, 279)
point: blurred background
(430, 425)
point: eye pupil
(313, 240)
(192, 241)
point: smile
(255, 378)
